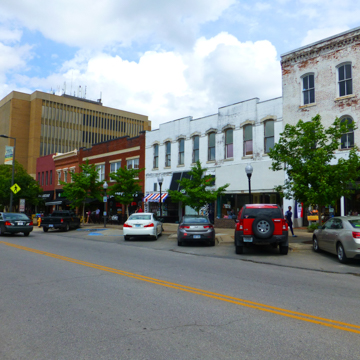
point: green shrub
(312, 227)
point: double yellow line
(250, 304)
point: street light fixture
(13, 167)
(249, 170)
(160, 180)
(105, 186)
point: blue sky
(166, 59)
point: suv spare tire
(263, 227)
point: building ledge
(307, 105)
(345, 97)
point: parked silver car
(195, 228)
(340, 235)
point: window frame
(347, 135)
(196, 148)
(181, 156)
(308, 91)
(210, 147)
(115, 166)
(168, 154)
(229, 146)
(101, 172)
(347, 81)
(156, 156)
(248, 141)
(269, 137)
(135, 163)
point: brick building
(45, 124)
(324, 78)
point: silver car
(340, 235)
(195, 228)
(142, 225)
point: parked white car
(142, 225)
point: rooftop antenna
(85, 92)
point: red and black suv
(261, 224)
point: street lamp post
(105, 186)
(249, 170)
(160, 180)
(13, 167)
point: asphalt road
(80, 296)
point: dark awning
(174, 185)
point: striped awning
(155, 197)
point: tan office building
(45, 123)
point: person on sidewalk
(97, 215)
(288, 217)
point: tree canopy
(314, 175)
(196, 191)
(85, 185)
(126, 185)
(30, 189)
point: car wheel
(67, 227)
(284, 249)
(315, 244)
(45, 229)
(239, 249)
(263, 227)
(126, 237)
(1, 232)
(156, 237)
(212, 242)
(26, 233)
(180, 243)
(341, 254)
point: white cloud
(319, 34)
(97, 24)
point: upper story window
(115, 166)
(248, 140)
(195, 155)
(72, 172)
(101, 172)
(181, 151)
(47, 178)
(65, 175)
(132, 163)
(347, 139)
(42, 178)
(268, 135)
(59, 176)
(168, 154)
(308, 89)
(39, 178)
(345, 80)
(229, 144)
(156, 156)
(211, 147)
(50, 177)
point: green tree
(84, 185)
(306, 151)
(196, 192)
(30, 189)
(126, 185)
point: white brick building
(324, 78)
(225, 143)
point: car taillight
(184, 227)
(127, 225)
(8, 223)
(241, 224)
(284, 224)
(31, 223)
(356, 235)
(208, 227)
(149, 225)
(62, 220)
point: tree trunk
(83, 212)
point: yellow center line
(247, 303)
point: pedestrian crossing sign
(15, 188)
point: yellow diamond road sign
(15, 188)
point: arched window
(268, 135)
(211, 147)
(181, 151)
(195, 155)
(156, 156)
(168, 154)
(308, 89)
(347, 139)
(229, 144)
(248, 140)
(345, 80)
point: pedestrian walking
(288, 217)
(88, 216)
(97, 215)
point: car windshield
(195, 220)
(355, 223)
(139, 217)
(252, 213)
(15, 217)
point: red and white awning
(155, 197)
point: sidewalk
(303, 237)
